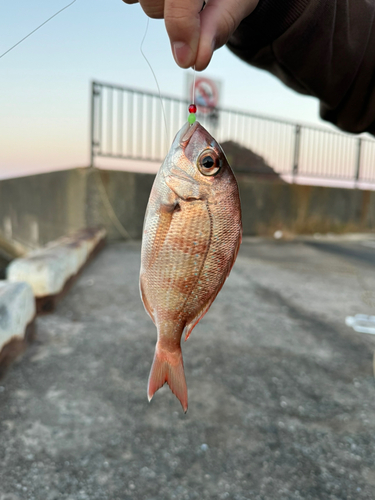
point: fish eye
(209, 163)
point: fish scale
(191, 236)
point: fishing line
(108, 206)
(193, 87)
(192, 108)
(36, 29)
(105, 199)
(103, 192)
(156, 80)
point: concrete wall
(41, 208)
(269, 206)
(128, 193)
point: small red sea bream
(191, 236)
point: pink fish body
(191, 236)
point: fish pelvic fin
(168, 367)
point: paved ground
(281, 392)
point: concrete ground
(281, 391)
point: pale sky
(45, 81)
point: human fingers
(153, 8)
(219, 20)
(182, 21)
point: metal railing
(129, 124)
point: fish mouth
(187, 133)
(183, 138)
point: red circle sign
(206, 94)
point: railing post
(358, 161)
(94, 93)
(297, 140)
(92, 126)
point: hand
(194, 35)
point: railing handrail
(240, 112)
(126, 123)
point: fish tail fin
(168, 367)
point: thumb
(219, 20)
(182, 21)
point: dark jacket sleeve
(322, 48)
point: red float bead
(192, 108)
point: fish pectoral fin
(168, 367)
(183, 188)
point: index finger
(182, 21)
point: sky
(45, 81)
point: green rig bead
(191, 118)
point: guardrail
(128, 124)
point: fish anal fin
(188, 332)
(168, 367)
(145, 301)
(193, 323)
(235, 253)
(190, 326)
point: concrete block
(17, 310)
(47, 270)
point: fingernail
(182, 53)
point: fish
(191, 236)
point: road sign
(206, 93)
